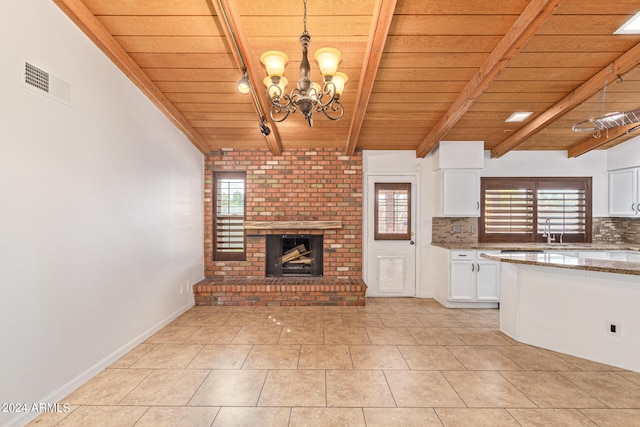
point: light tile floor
(395, 362)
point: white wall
(101, 219)
(625, 155)
(515, 163)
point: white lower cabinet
(488, 280)
(470, 280)
(462, 281)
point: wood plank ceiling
(419, 71)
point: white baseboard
(60, 393)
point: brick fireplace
(307, 188)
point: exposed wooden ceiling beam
(604, 138)
(89, 24)
(525, 27)
(239, 48)
(383, 15)
(625, 63)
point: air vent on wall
(45, 84)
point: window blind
(508, 211)
(229, 218)
(229, 234)
(392, 212)
(564, 210)
(524, 209)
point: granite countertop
(565, 261)
(538, 246)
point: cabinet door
(460, 192)
(462, 281)
(623, 188)
(488, 281)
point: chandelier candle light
(307, 96)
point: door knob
(411, 242)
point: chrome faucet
(547, 231)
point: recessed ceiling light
(519, 116)
(632, 26)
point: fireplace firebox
(294, 255)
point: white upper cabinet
(457, 165)
(460, 192)
(624, 192)
(459, 155)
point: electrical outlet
(613, 328)
(457, 229)
(474, 229)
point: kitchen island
(584, 307)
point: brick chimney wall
(299, 185)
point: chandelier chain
(305, 16)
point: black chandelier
(308, 96)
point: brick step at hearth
(280, 291)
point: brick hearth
(280, 291)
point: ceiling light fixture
(519, 116)
(632, 26)
(307, 96)
(244, 84)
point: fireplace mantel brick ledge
(292, 225)
(282, 291)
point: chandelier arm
(334, 106)
(280, 114)
(329, 90)
(275, 100)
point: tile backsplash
(610, 230)
(455, 230)
(633, 231)
(605, 230)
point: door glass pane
(392, 211)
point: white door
(391, 225)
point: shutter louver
(535, 210)
(508, 211)
(566, 211)
(230, 234)
(229, 219)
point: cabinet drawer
(463, 255)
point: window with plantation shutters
(562, 211)
(526, 209)
(229, 203)
(508, 208)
